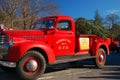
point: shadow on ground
(112, 72)
(9, 76)
(112, 60)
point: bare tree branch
(25, 12)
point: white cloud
(113, 11)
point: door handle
(70, 33)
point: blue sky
(87, 8)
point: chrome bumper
(8, 64)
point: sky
(87, 8)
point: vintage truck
(51, 40)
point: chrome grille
(3, 39)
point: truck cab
(61, 34)
(51, 40)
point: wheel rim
(31, 65)
(101, 58)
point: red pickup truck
(52, 40)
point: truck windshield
(44, 24)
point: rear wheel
(31, 66)
(100, 58)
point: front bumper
(8, 64)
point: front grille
(3, 39)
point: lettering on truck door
(64, 39)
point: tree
(22, 13)
(84, 26)
(2, 17)
(112, 19)
(30, 10)
(9, 7)
(98, 18)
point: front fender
(17, 51)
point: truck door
(64, 39)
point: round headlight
(11, 43)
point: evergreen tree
(84, 26)
(98, 18)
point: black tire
(100, 58)
(22, 65)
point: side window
(64, 25)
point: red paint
(54, 42)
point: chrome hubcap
(32, 65)
(101, 57)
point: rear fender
(98, 45)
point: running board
(73, 58)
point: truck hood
(26, 34)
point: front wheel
(31, 66)
(100, 58)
